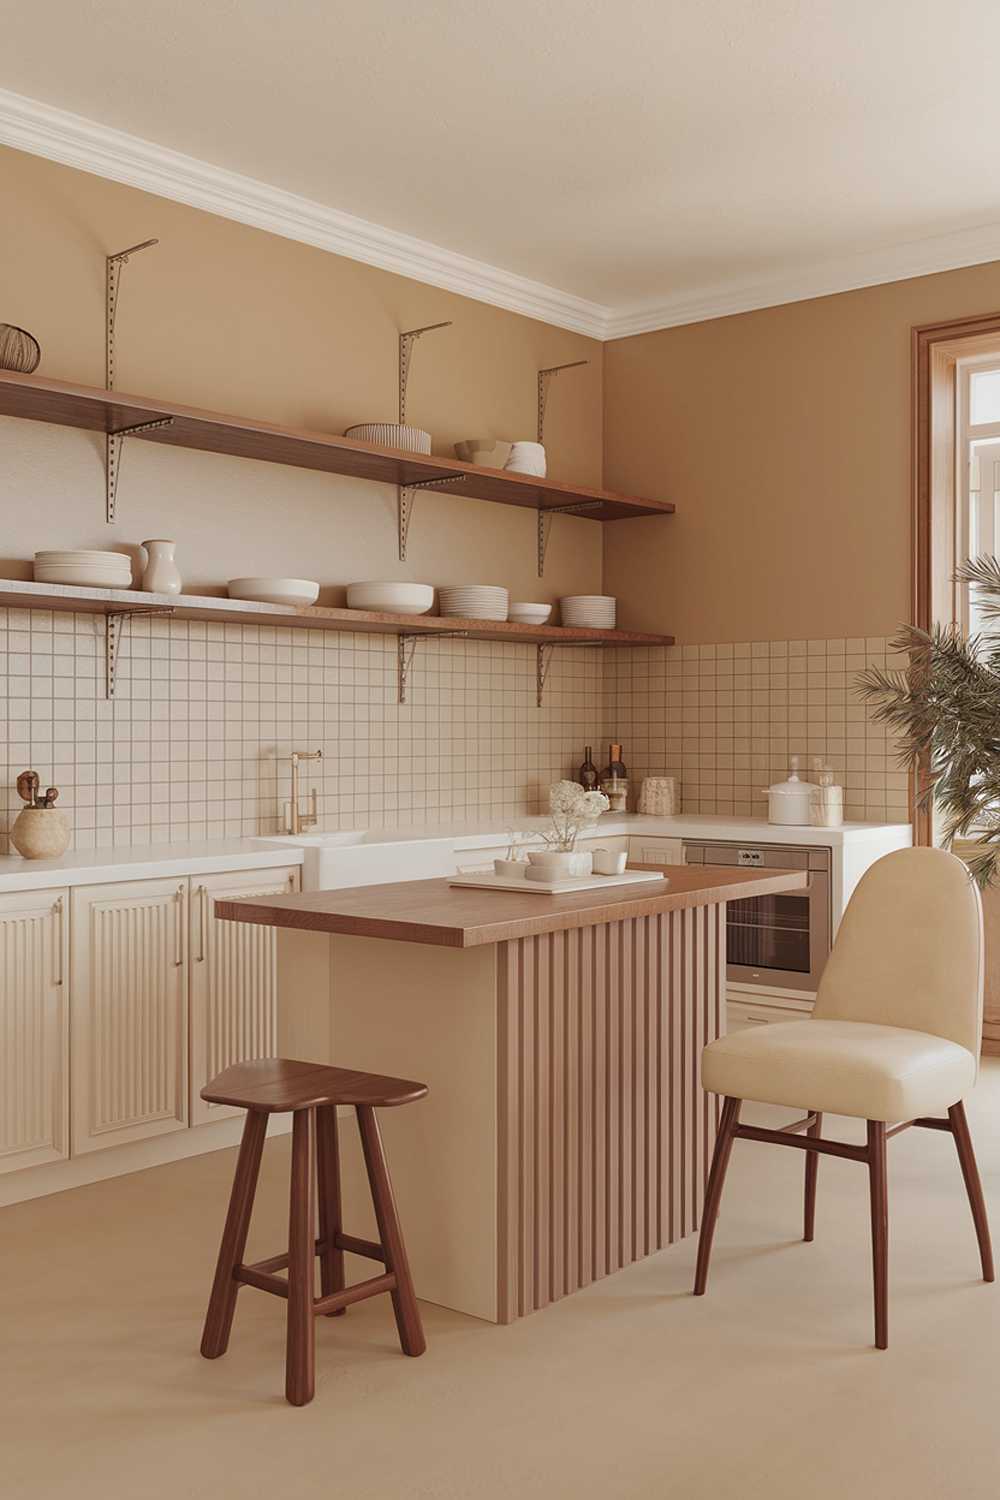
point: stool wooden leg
(300, 1358)
(880, 1229)
(713, 1192)
(404, 1302)
(331, 1264)
(973, 1186)
(812, 1166)
(222, 1303)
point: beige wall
(783, 437)
(223, 316)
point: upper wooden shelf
(103, 411)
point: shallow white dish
(84, 575)
(391, 435)
(474, 601)
(395, 598)
(82, 554)
(529, 614)
(598, 611)
(489, 882)
(274, 590)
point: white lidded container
(790, 801)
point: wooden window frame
(936, 350)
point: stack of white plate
(474, 601)
(592, 611)
(97, 570)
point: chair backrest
(910, 950)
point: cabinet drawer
(742, 1013)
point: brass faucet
(297, 820)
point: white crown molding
(43, 130)
(926, 257)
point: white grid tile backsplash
(194, 744)
(724, 719)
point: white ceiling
(646, 156)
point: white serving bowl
(474, 601)
(529, 614)
(85, 575)
(394, 598)
(391, 435)
(274, 590)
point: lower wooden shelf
(116, 604)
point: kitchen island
(566, 1133)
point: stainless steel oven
(778, 942)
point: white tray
(490, 882)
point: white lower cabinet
(129, 999)
(34, 1031)
(234, 981)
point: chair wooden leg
(300, 1358)
(713, 1192)
(973, 1186)
(812, 1167)
(880, 1228)
(331, 1263)
(404, 1302)
(222, 1303)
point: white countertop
(97, 866)
(144, 862)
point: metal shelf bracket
(404, 504)
(406, 649)
(113, 440)
(404, 499)
(115, 621)
(545, 378)
(545, 524)
(543, 661)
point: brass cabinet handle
(57, 913)
(179, 948)
(202, 921)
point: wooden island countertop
(438, 913)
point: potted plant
(573, 811)
(945, 709)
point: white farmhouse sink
(333, 861)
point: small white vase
(526, 458)
(559, 864)
(40, 833)
(510, 869)
(160, 575)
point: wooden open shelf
(15, 594)
(96, 410)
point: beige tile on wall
(194, 744)
(725, 720)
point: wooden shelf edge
(94, 409)
(19, 594)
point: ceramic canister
(40, 833)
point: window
(978, 479)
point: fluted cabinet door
(234, 990)
(34, 1082)
(129, 983)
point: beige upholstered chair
(894, 1038)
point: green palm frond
(945, 711)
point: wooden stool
(312, 1093)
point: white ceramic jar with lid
(790, 801)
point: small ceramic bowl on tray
(299, 591)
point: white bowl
(488, 453)
(83, 575)
(529, 614)
(391, 435)
(274, 590)
(526, 458)
(395, 598)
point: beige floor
(766, 1387)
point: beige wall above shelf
(97, 410)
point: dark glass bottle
(587, 775)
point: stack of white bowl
(80, 567)
(474, 601)
(591, 611)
